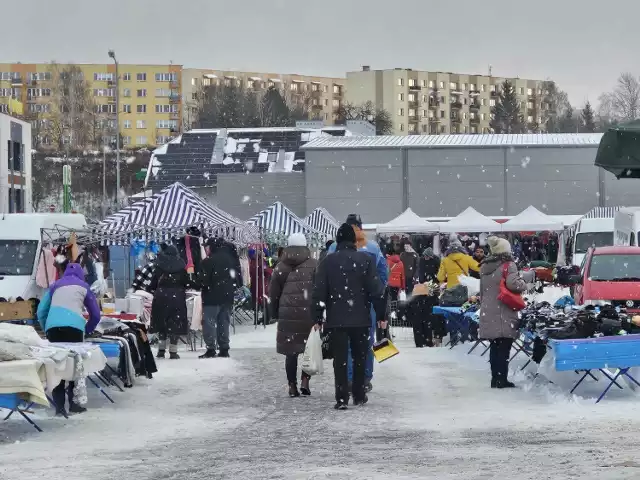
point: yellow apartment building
(150, 98)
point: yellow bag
(384, 350)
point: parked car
(610, 275)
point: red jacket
(397, 278)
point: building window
(325, 88)
(126, 108)
(425, 113)
(142, 92)
(492, 88)
(39, 108)
(441, 84)
(441, 113)
(530, 119)
(472, 115)
(401, 82)
(166, 108)
(141, 77)
(412, 97)
(337, 90)
(106, 108)
(39, 76)
(413, 82)
(431, 114)
(521, 90)
(424, 83)
(126, 77)
(412, 112)
(529, 91)
(141, 124)
(34, 92)
(483, 116)
(326, 116)
(472, 87)
(126, 140)
(401, 97)
(443, 129)
(464, 87)
(425, 128)
(443, 99)
(432, 84)
(482, 87)
(141, 108)
(126, 92)
(167, 124)
(412, 128)
(401, 127)
(166, 77)
(401, 112)
(126, 124)
(483, 102)
(103, 77)
(453, 85)
(104, 92)
(141, 140)
(492, 103)
(163, 92)
(336, 103)
(464, 115)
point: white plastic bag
(472, 284)
(312, 357)
(402, 296)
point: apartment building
(423, 103)
(150, 99)
(324, 95)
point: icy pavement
(431, 415)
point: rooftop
(454, 141)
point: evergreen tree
(567, 123)
(274, 111)
(506, 115)
(588, 119)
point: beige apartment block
(431, 103)
(323, 95)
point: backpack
(395, 275)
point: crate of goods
(12, 311)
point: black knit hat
(354, 219)
(346, 234)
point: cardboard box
(17, 311)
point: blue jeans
(368, 367)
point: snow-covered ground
(431, 415)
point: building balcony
(174, 98)
(474, 92)
(174, 84)
(434, 120)
(433, 105)
(474, 120)
(16, 81)
(413, 118)
(474, 106)
(494, 93)
(455, 119)
(174, 115)
(316, 106)
(414, 88)
(456, 105)
(413, 103)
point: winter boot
(504, 384)
(368, 386)
(75, 408)
(341, 406)
(224, 354)
(210, 353)
(362, 401)
(160, 354)
(293, 390)
(174, 356)
(304, 387)
(494, 382)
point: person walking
(290, 301)
(219, 277)
(498, 322)
(346, 285)
(169, 285)
(373, 250)
(60, 314)
(455, 263)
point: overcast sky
(582, 44)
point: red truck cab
(610, 275)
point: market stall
(322, 221)
(470, 221)
(407, 222)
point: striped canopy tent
(322, 221)
(278, 222)
(168, 213)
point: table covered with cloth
(24, 379)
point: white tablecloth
(23, 377)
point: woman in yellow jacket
(455, 263)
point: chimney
(366, 68)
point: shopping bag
(384, 350)
(472, 284)
(312, 357)
(402, 296)
(511, 299)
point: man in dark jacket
(409, 259)
(346, 284)
(219, 277)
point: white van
(627, 227)
(20, 243)
(595, 229)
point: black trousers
(341, 339)
(64, 334)
(422, 331)
(499, 357)
(291, 367)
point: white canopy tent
(407, 222)
(470, 221)
(532, 220)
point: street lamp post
(112, 54)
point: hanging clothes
(244, 267)
(46, 272)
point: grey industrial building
(435, 175)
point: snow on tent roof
(470, 221)
(407, 222)
(279, 219)
(532, 220)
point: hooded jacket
(64, 303)
(496, 319)
(290, 293)
(373, 249)
(455, 264)
(220, 274)
(397, 277)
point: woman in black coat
(429, 266)
(169, 284)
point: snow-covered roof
(470, 221)
(452, 141)
(407, 222)
(532, 220)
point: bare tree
(554, 106)
(625, 98)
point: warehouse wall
(625, 192)
(369, 182)
(243, 195)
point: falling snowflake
(246, 198)
(525, 162)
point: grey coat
(496, 319)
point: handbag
(512, 300)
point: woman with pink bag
(500, 286)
